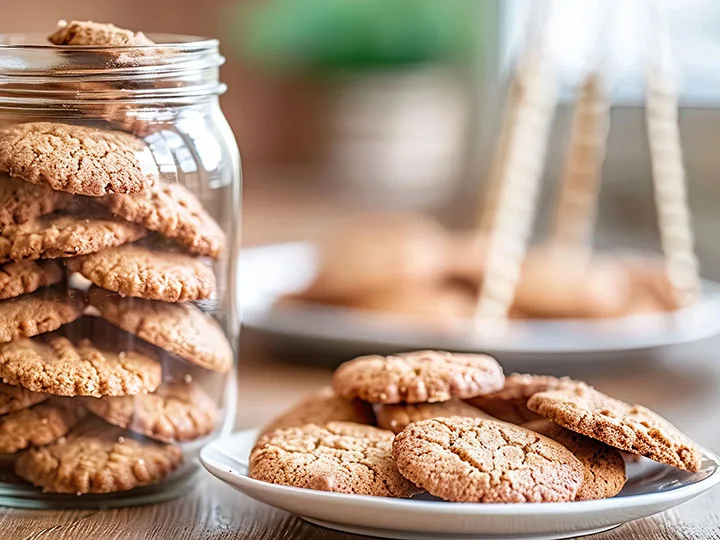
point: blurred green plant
(353, 34)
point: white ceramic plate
(652, 488)
(269, 272)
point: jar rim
(171, 42)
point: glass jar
(119, 235)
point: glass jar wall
(119, 216)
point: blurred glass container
(140, 365)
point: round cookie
(38, 425)
(59, 236)
(632, 428)
(98, 34)
(43, 311)
(97, 458)
(21, 201)
(397, 417)
(182, 329)
(173, 413)
(55, 365)
(510, 402)
(417, 377)
(23, 277)
(173, 211)
(321, 408)
(604, 467)
(476, 460)
(17, 398)
(341, 457)
(77, 159)
(142, 272)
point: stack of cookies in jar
(97, 388)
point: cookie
(341, 457)
(417, 377)
(173, 211)
(98, 34)
(21, 201)
(174, 412)
(97, 458)
(77, 159)
(17, 398)
(43, 311)
(182, 329)
(476, 460)
(38, 425)
(23, 277)
(59, 236)
(53, 364)
(321, 408)
(632, 428)
(397, 417)
(510, 402)
(143, 272)
(604, 467)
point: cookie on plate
(23, 277)
(96, 457)
(604, 466)
(341, 457)
(40, 312)
(510, 402)
(632, 428)
(38, 425)
(182, 329)
(417, 377)
(175, 412)
(321, 408)
(21, 201)
(98, 34)
(143, 272)
(398, 416)
(477, 460)
(77, 159)
(17, 398)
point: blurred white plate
(652, 488)
(267, 273)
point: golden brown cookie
(321, 408)
(652, 291)
(476, 460)
(173, 211)
(98, 34)
(77, 159)
(38, 425)
(43, 311)
(59, 236)
(398, 416)
(417, 377)
(23, 277)
(53, 364)
(510, 402)
(143, 272)
(604, 467)
(96, 457)
(182, 329)
(17, 398)
(341, 457)
(173, 413)
(21, 201)
(632, 428)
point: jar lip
(170, 42)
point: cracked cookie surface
(182, 329)
(95, 457)
(321, 408)
(341, 457)
(93, 33)
(417, 377)
(173, 413)
(38, 425)
(77, 159)
(37, 313)
(143, 272)
(17, 398)
(632, 428)
(23, 277)
(397, 417)
(476, 460)
(604, 467)
(53, 364)
(22, 201)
